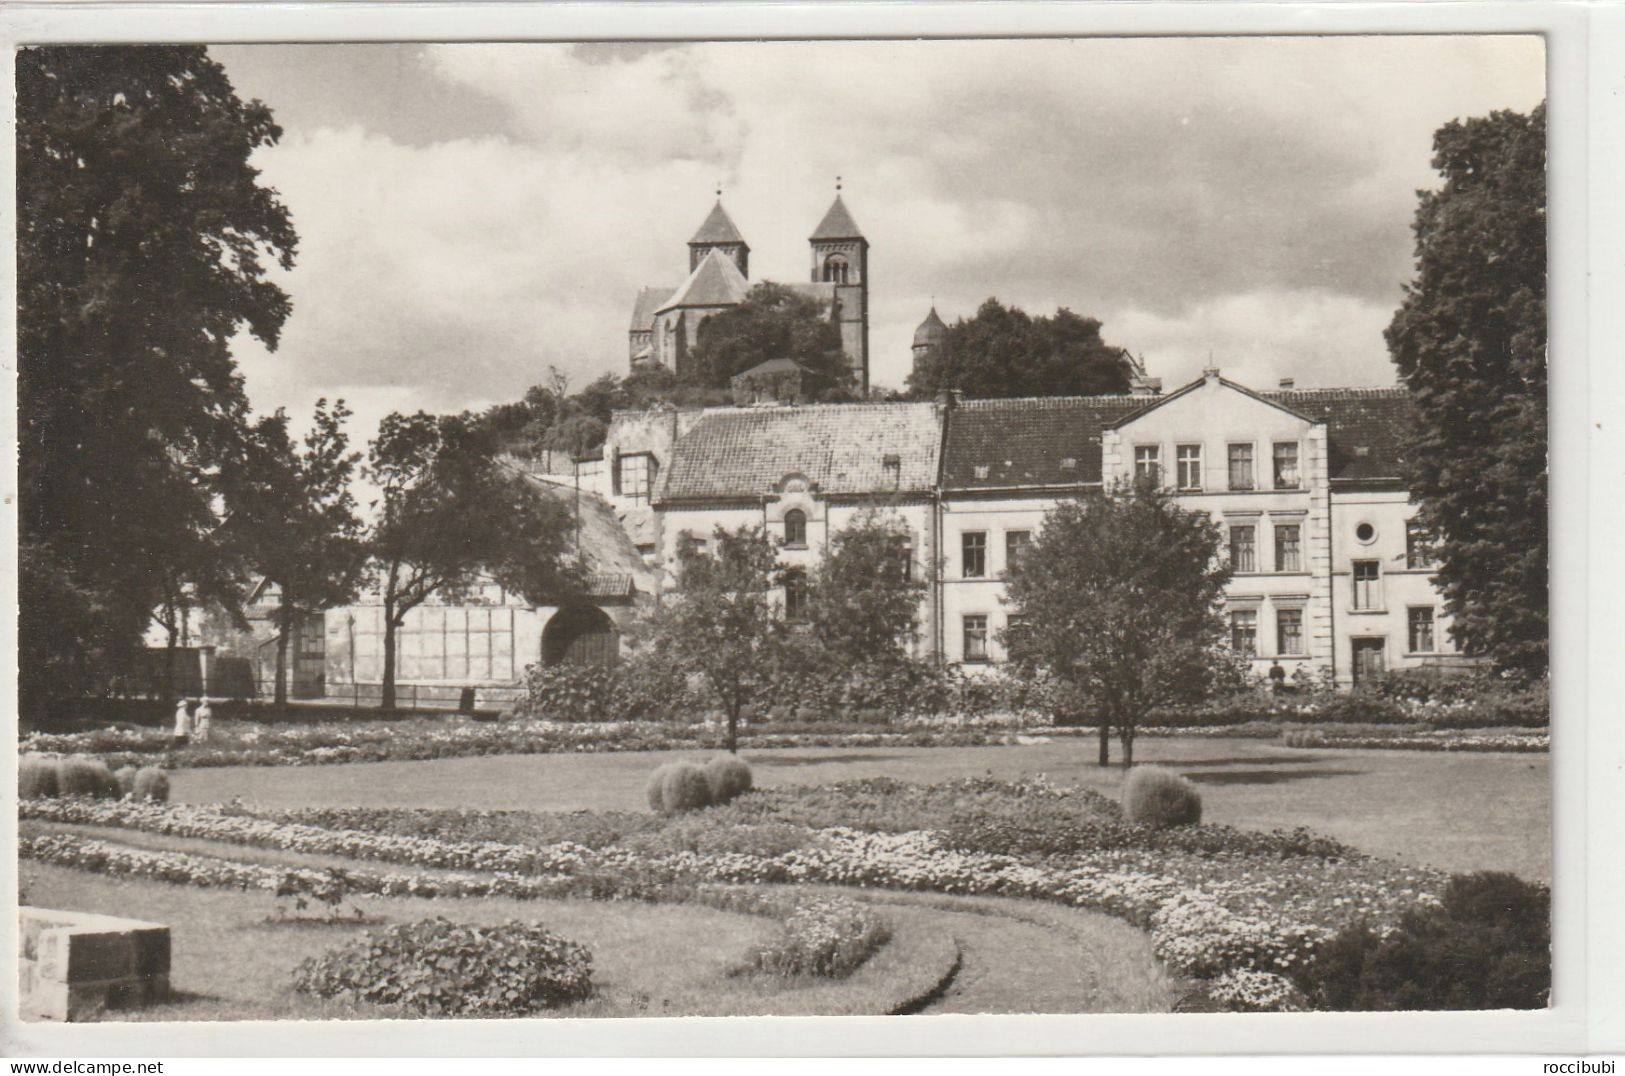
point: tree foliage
(293, 518)
(721, 620)
(450, 514)
(143, 243)
(773, 322)
(1117, 599)
(1470, 344)
(863, 599)
(1004, 352)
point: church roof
(837, 223)
(931, 330)
(841, 449)
(718, 228)
(716, 281)
(648, 302)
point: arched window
(835, 269)
(795, 527)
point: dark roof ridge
(1353, 392)
(992, 403)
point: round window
(1365, 532)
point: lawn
(1457, 812)
(232, 961)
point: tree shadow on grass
(1267, 777)
(815, 760)
(1254, 760)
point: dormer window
(892, 465)
(1069, 463)
(981, 471)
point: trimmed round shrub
(729, 777)
(1154, 796)
(125, 776)
(435, 967)
(656, 789)
(151, 784)
(79, 776)
(685, 788)
(1486, 945)
(36, 777)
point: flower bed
(1210, 912)
(252, 744)
(1424, 740)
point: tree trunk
(388, 700)
(1105, 742)
(284, 618)
(733, 727)
(167, 688)
(1126, 734)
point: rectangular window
(1289, 632)
(795, 596)
(976, 638)
(1367, 585)
(1244, 632)
(903, 557)
(1015, 544)
(973, 554)
(1014, 625)
(1421, 625)
(635, 478)
(1288, 551)
(1243, 557)
(1241, 466)
(1148, 464)
(1418, 546)
(1188, 466)
(1286, 465)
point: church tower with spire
(718, 233)
(840, 259)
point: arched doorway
(580, 635)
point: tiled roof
(771, 367)
(716, 281)
(718, 228)
(609, 585)
(993, 444)
(1366, 428)
(837, 224)
(611, 557)
(643, 310)
(839, 448)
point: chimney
(1288, 382)
(1211, 373)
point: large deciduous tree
(143, 240)
(721, 620)
(863, 597)
(1004, 352)
(293, 519)
(773, 322)
(1470, 344)
(1117, 604)
(449, 514)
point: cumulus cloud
(1249, 196)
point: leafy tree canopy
(1469, 342)
(1003, 352)
(773, 322)
(1117, 598)
(863, 596)
(450, 514)
(143, 242)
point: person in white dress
(183, 722)
(200, 721)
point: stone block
(76, 965)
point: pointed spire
(838, 222)
(718, 226)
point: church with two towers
(666, 319)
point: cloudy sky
(470, 214)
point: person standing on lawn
(1277, 677)
(201, 719)
(183, 722)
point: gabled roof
(745, 453)
(1365, 428)
(717, 228)
(773, 366)
(837, 224)
(997, 444)
(648, 302)
(716, 281)
(1154, 402)
(613, 562)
